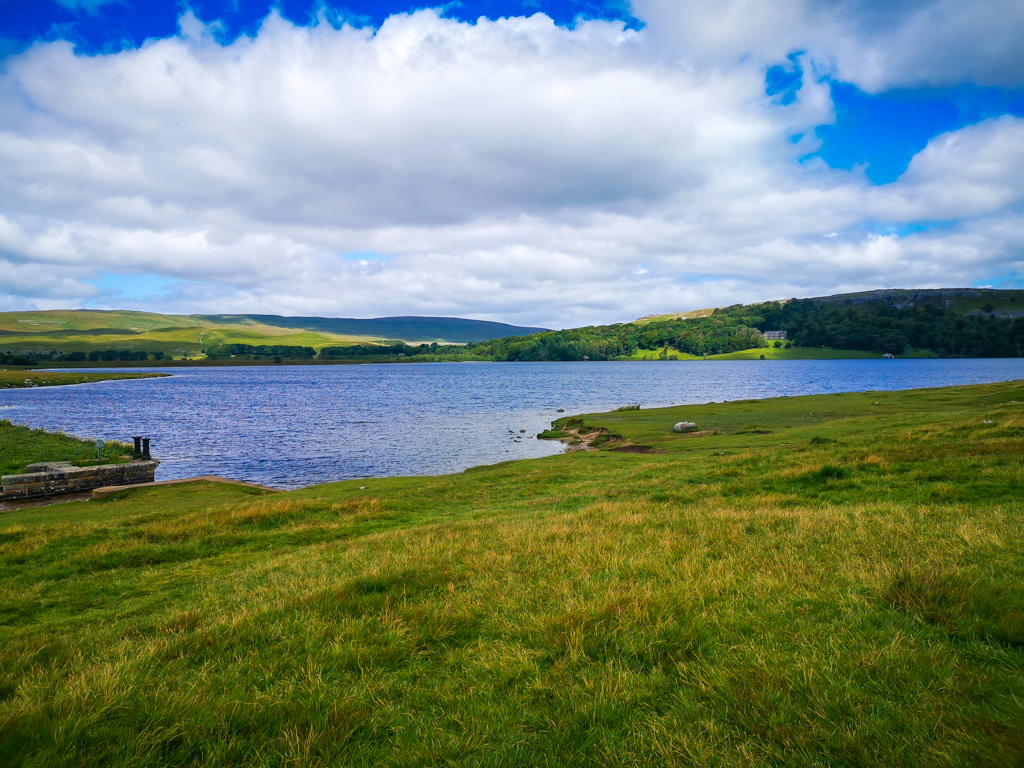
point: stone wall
(50, 479)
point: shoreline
(34, 378)
(208, 363)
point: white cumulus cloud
(512, 169)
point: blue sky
(884, 131)
(102, 26)
(598, 162)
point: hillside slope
(454, 330)
(1004, 303)
(86, 330)
(1000, 303)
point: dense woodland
(261, 350)
(873, 326)
(704, 336)
(94, 356)
(879, 327)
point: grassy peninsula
(21, 446)
(22, 379)
(829, 580)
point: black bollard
(145, 449)
(138, 447)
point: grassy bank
(769, 353)
(27, 377)
(20, 446)
(796, 353)
(831, 580)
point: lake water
(289, 426)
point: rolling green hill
(86, 330)
(455, 330)
(961, 301)
(1001, 303)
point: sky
(556, 164)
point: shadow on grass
(963, 609)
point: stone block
(61, 477)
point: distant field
(770, 353)
(171, 334)
(178, 335)
(689, 314)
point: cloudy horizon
(564, 168)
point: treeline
(43, 357)
(261, 350)
(879, 327)
(363, 351)
(703, 336)
(16, 358)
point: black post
(145, 449)
(138, 447)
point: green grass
(20, 446)
(689, 315)
(177, 335)
(817, 581)
(23, 378)
(770, 353)
(175, 341)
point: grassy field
(23, 378)
(20, 446)
(171, 334)
(818, 581)
(177, 335)
(689, 315)
(770, 353)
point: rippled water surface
(289, 426)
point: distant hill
(948, 322)
(451, 330)
(86, 330)
(961, 301)
(945, 322)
